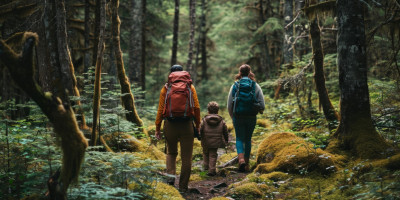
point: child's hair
(213, 107)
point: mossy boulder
(275, 176)
(161, 191)
(288, 153)
(128, 143)
(263, 123)
(165, 191)
(247, 191)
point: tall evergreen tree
(192, 16)
(175, 34)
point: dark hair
(213, 107)
(245, 70)
(175, 68)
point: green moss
(247, 191)
(289, 153)
(219, 198)
(263, 123)
(392, 163)
(165, 191)
(275, 176)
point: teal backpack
(244, 100)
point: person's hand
(158, 135)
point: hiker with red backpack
(178, 107)
(245, 101)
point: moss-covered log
(127, 98)
(73, 144)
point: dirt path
(212, 186)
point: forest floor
(215, 186)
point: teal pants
(244, 127)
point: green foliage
(107, 176)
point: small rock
(194, 191)
(213, 191)
(221, 185)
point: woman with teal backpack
(245, 101)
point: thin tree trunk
(127, 99)
(175, 34)
(356, 131)
(287, 43)
(97, 82)
(143, 64)
(136, 39)
(86, 61)
(96, 31)
(319, 76)
(203, 41)
(59, 113)
(190, 68)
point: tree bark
(97, 82)
(203, 42)
(127, 98)
(86, 61)
(64, 57)
(319, 76)
(356, 131)
(135, 49)
(175, 34)
(288, 43)
(96, 31)
(60, 114)
(190, 68)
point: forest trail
(215, 186)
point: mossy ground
(284, 166)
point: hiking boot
(242, 162)
(247, 167)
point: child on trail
(214, 135)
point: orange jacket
(160, 110)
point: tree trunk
(203, 41)
(319, 76)
(266, 62)
(356, 131)
(59, 113)
(97, 82)
(190, 68)
(86, 61)
(64, 56)
(96, 31)
(288, 40)
(135, 49)
(127, 99)
(143, 64)
(175, 34)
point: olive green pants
(181, 132)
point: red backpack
(179, 99)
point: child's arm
(202, 128)
(225, 132)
